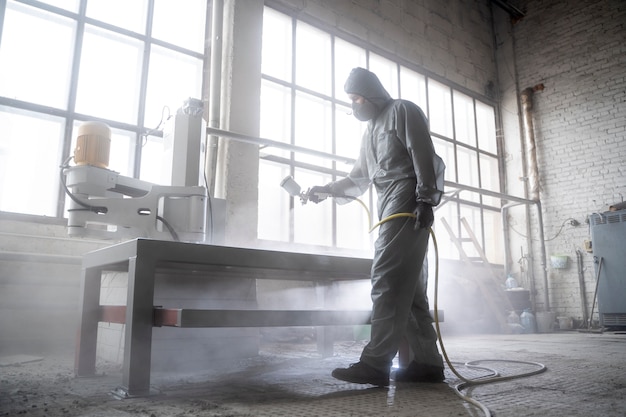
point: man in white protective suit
(396, 156)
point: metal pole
(217, 20)
(276, 144)
(595, 293)
(546, 295)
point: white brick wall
(577, 50)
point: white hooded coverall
(397, 156)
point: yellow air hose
(466, 382)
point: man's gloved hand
(424, 216)
(319, 193)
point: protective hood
(366, 84)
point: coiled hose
(466, 382)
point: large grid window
(129, 64)
(303, 104)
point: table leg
(86, 341)
(324, 334)
(138, 332)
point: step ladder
(479, 266)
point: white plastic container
(545, 321)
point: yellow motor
(93, 144)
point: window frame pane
(30, 140)
(130, 15)
(486, 127)
(440, 109)
(163, 90)
(23, 55)
(168, 14)
(316, 136)
(110, 75)
(313, 59)
(277, 31)
(413, 87)
(464, 120)
(275, 120)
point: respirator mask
(364, 111)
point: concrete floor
(586, 376)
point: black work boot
(362, 373)
(419, 372)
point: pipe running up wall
(530, 147)
(532, 174)
(215, 88)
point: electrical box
(608, 234)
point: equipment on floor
(608, 231)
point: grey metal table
(144, 258)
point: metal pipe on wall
(581, 285)
(544, 266)
(532, 176)
(240, 137)
(537, 203)
(504, 210)
(215, 88)
(530, 147)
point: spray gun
(294, 190)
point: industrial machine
(107, 205)
(608, 234)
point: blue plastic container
(527, 320)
